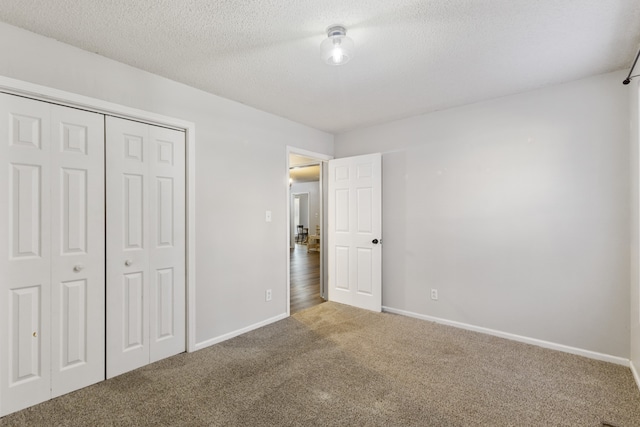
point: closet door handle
(78, 268)
(128, 262)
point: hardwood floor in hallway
(305, 278)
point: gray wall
(241, 171)
(303, 214)
(313, 188)
(516, 210)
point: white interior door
(25, 253)
(145, 244)
(355, 230)
(77, 264)
(51, 220)
(127, 246)
(167, 249)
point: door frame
(60, 97)
(322, 160)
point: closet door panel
(167, 242)
(25, 257)
(77, 162)
(128, 296)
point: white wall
(516, 210)
(241, 171)
(313, 188)
(303, 214)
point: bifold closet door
(77, 255)
(51, 251)
(25, 250)
(145, 244)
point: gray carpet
(334, 365)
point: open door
(355, 231)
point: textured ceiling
(412, 56)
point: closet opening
(54, 146)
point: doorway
(356, 228)
(306, 230)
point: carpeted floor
(333, 365)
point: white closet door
(51, 316)
(167, 242)
(127, 154)
(145, 244)
(77, 184)
(25, 258)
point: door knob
(128, 262)
(374, 241)
(78, 268)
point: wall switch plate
(434, 294)
(267, 216)
(267, 295)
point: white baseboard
(636, 374)
(233, 334)
(540, 343)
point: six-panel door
(127, 246)
(355, 229)
(52, 248)
(77, 249)
(51, 251)
(145, 244)
(167, 243)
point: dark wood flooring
(305, 278)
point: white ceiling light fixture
(337, 48)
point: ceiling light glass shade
(337, 48)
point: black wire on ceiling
(629, 76)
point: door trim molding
(69, 99)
